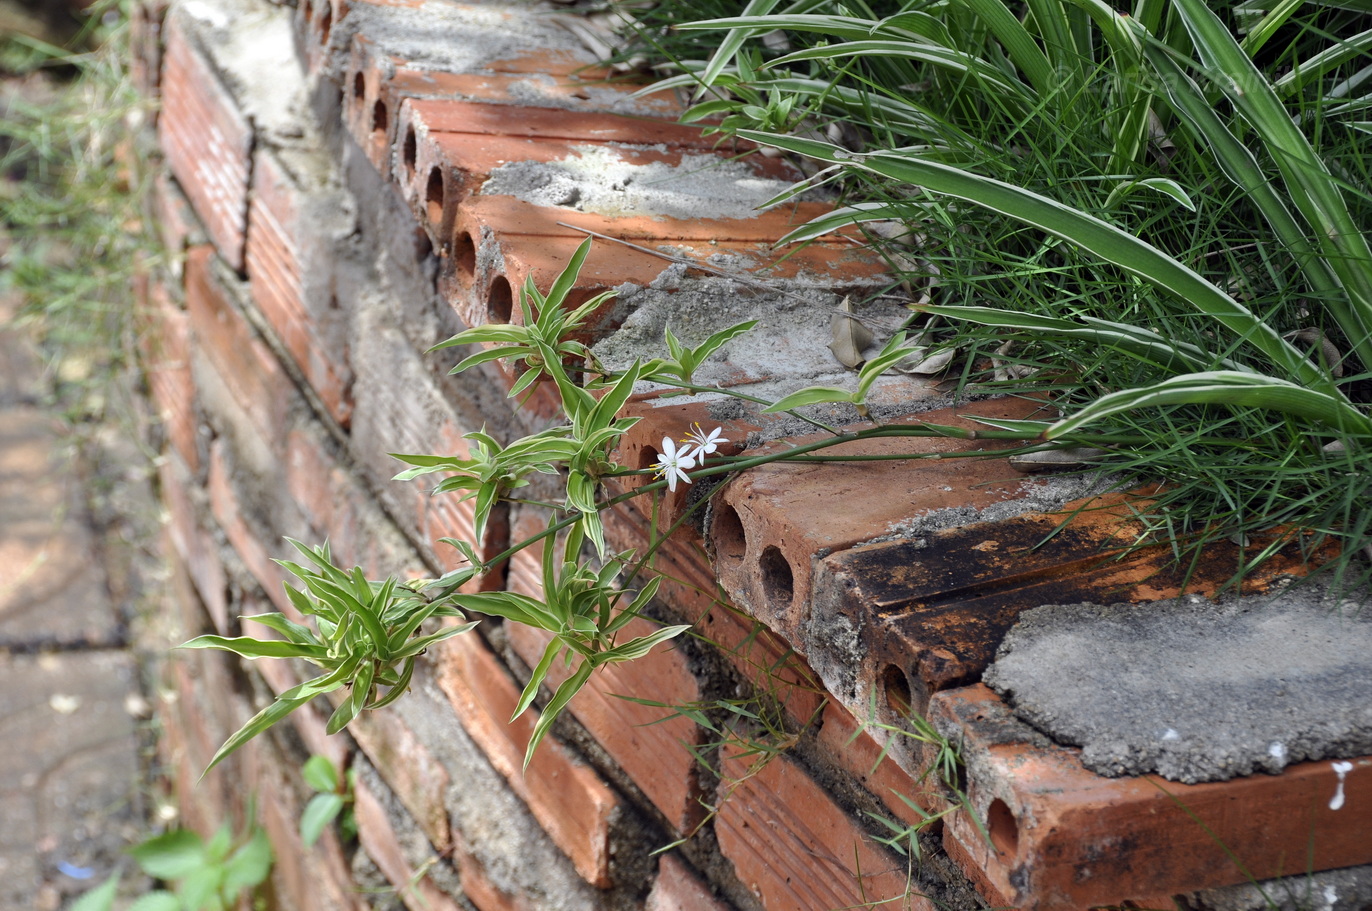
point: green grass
(1158, 220)
(71, 235)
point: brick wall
(319, 191)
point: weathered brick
(771, 523)
(164, 345)
(207, 139)
(223, 336)
(567, 797)
(844, 743)
(247, 544)
(192, 542)
(417, 778)
(294, 221)
(653, 749)
(928, 612)
(678, 889)
(379, 840)
(1063, 837)
(795, 849)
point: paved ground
(70, 792)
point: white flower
(703, 443)
(674, 463)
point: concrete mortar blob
(597, 179)
(1196, 690)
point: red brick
(417, 778)
(654, 752)
(795, 849)
(450, 116)
(844, 744)
(177, 224)
(566, 797)
(770, 523)
(928, 614)
(247, 367)
(762, 657)
(224, 505)
(207, 139)
(1064, 837)
(194, 545)
(164, 344)
(290, 271)
(366, 112)
(378, 838)
(314, 21)
(438, 171)
(678, 889)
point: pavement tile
(69, 792)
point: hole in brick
(896, 686)
(379, 116)
(726, 528)
(499, 300)
(359, 86)
(325, 23)
(1003, 828)
(778, 581)
(410, 149)
(464, 257)
(433, 195)
(648, 457)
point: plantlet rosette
(368, 638)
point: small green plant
(366, 637)
(204, 875)
(332, 801)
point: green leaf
(287, 627)
(540, 671)
(351, 707)
(170, 856)
(320, 774)
(159, 900)
(1086, 231)
(201, 889)
(319, 812)
(637, 648)
(1161, 184)
(810, 395)
(256, 725)
(1224, 387)
(253, 649)
(569, 688)
(101, 898)
(249, 865)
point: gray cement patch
(597, 179)
(1195, 690)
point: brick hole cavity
(778, 579)
(359, 85)
(409, 150)
(499, 300)
(325, 22)
(895, 687)
(380, 118)
(464, 257)
(1003, 828)
(433, 195)
(726, 529)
